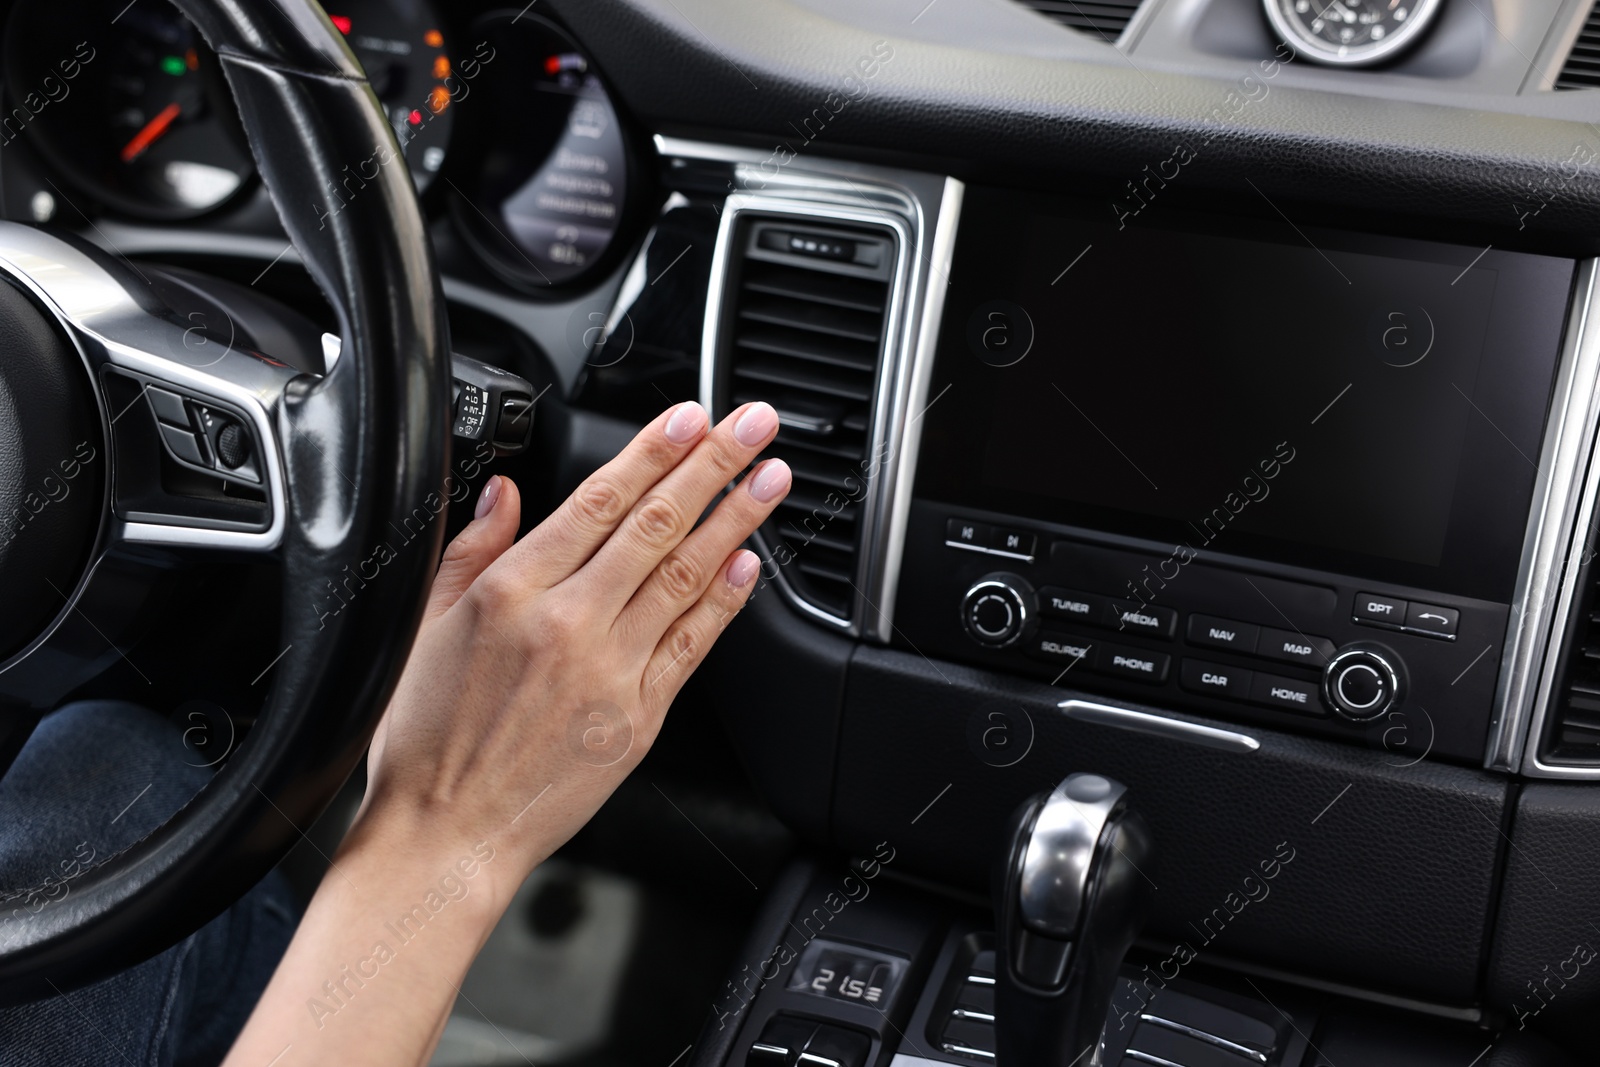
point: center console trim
(1145, 722)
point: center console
(1267, 473)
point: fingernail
(771, 481)
(756, 424)
(686, 423)
(742, 571)
(486, 499)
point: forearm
(381, 952)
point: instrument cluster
(503, 122)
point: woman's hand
(544, 668)
(539, 678)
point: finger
(680, 579)
(492, 530)
(666, 514)
(687, 640)
(562, 543)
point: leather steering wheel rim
(364, 446)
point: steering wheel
(318, 471)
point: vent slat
(1105, 19)
(809, 339)
(1582, 67)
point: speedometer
(1350, 33)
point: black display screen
(1364, 405)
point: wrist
(465, 873)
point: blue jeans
(94, 778)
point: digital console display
(1249, 387)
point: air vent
(1572, 727)
(1105, 19)
(1582, 68)
(802, 327)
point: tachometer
(1350, 33)
(127, 102)
(402, 50)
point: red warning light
(340, 23)
(415, 118)
(552, 65)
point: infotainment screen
(1253, 387)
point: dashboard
(1204, 395)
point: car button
(1131, 616)
(1214, 679)
(1290, 646)
(1016, 543)
(1222, 633)
(1290, 693)
(1061, 648)
(1058, 603)
(1381, 610)
(1134, 663)
(1431, 620)
(959, 533)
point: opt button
(1382, 610)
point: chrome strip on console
(864, 195)
(1561, 515)
(1145, 722)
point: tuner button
(996, 609)
(1362, 682)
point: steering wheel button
(1431, 620)
(182, 443)
(167, 406)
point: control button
(1131, 616)
(182, 443)
(1222, 633)
(780, 1042)
(1293, 647)
(168, 406)
(1363, 682)
(1430, 620)
(1290, 693)
(233, 445)
(1058, 603)
(959, 533)
(1380, 610)
(995, 610)
(1214, 679)
(1134, 663)
(1017, 543)
(1062, 649)
(834, 1046)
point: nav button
(1223, 633)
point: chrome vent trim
(1559, 520)
(1581, 68)
(820, 212)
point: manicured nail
(756, 424)
(686, 423)
(771, 481)
(742, 571)
(486, 499)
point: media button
(962, 533)
(1058, 603)
(1062, 649)
(1213, 632)
(1291, 646)
(1430, 620)
(1130, 616)
(1289, 693)
(1018, 543)
(1380, 610)
(1214, 679)
(1136, 663)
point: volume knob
(1363, 682)
(997, 609)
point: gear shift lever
(1070, 901)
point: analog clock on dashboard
(1350, 33)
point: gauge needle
(152, 129)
